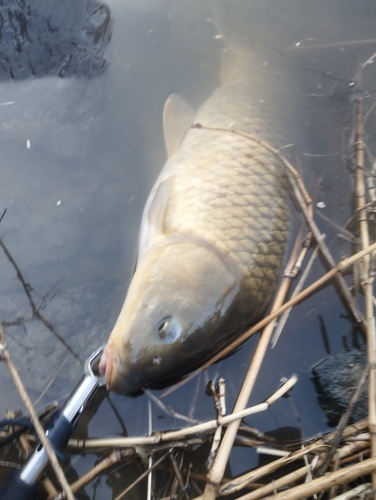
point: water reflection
(95, 145)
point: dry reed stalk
(296, 260)
(142, 476)
(159, 437)
(322, 444)
(216, 474)
(343, 476)
(220, 408)
(5, 356)
(325, 252)
(345, 233)
(284, 317)
(368, 280)
(179, 477)
(354, 493)
(168, 410)
(300, 474)
(115, 457)
(10, 465)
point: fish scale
(214, 230)
(251, 213)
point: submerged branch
(36, 310)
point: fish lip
(108, 365)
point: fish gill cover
(40, 38)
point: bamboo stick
(368, 280)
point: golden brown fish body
(213, 235)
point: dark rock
(53, 37)
(336, 379)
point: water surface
(79, 155)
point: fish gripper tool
(22, 485)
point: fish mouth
(109, 366)
(118, 378)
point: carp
(214, 230)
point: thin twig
(326, 254)
(297, 289)
(220, 408)
(168, 410)
(115, 457)
(178, 477)
(36, 310)
(5, 356)
(50, 383)
(346, 234)
(142, 476)
(3, 214)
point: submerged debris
(53, 38)
(336, 378)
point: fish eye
(169, 329)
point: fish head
(178, 297)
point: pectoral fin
(154, 215)
(178, 116)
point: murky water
(78, 157)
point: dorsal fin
(153, 218)
(178, 116)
